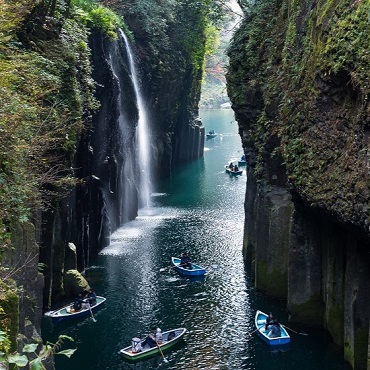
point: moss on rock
(74, 283)
(9, 313)
(311, 311)
(335, 322)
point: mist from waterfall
(142, 133)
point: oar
(213, 267)
(164, 358)
(92, 316)
(169, 267)
(253, 332)
(293, 330)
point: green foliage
(348, 45)
(306, 69)
(13, 14)
(95, 15)
(172, 38)
(21, 359)
(105, 20)
(41, 266)
(212, 39)
(45, 91)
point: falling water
(142, 134)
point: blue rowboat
(194, 271)
(147, 351)
(67, 312)
(242, 161)
(260, 321)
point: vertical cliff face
(106, 161)
(301, 101)
(106, 164)
(21, 312)
(69, 133)
(170, 46)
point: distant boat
(195, 271)
(242, 161)
(147, 351)
(211, 134)
(260, 322)
(67, 312)
(232, 172)
(225, 105)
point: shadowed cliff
(298, 82)
(68, 120)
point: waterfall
(142, 132)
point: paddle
(253, 332)
(293, 330)
(169, 267)
(164, 358)
(91, 313)
(163, 269)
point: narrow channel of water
(201, 211)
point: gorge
(72, 173)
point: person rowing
(91, 297)
(269, 320)
(185, 261)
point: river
(199, 210)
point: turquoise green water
(199, 210)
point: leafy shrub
(94, 15)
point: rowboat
(147, 351)
(67, 312)
(232, 172)
(211, 134)
(260, 321)
(242, 161)
(196, 270)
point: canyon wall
(298, 82)
(106, 162)
(70, 172)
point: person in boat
(158, 336)
(151, 339)
(171, 335)
(236, 168)
(185, 261)
(77, 304)
(269, 320)
(136, 345)
(275, 330)
(91, 297)
(242, 158)
(231, 166)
